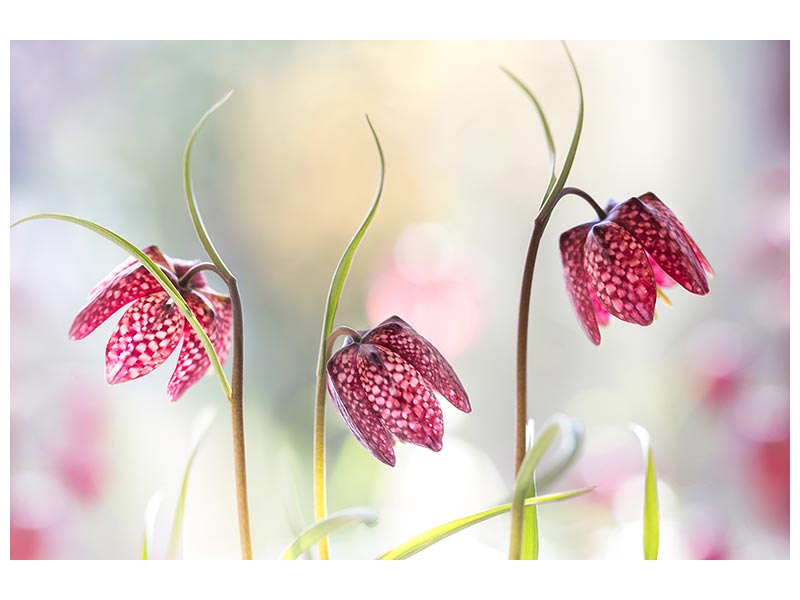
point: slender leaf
(150, 516)
(551, 149)
(440, 532)
(576, 136)
(523, 482)
(331, 305)
(343, 268)
(155, 271)
(651, 513)
(201, 426)
(194, 211)
(343, 519)
(564, 456)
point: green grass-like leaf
(343, 268)
(156, 272)
(524, 484)
(419, 542)
(564, 456)
(191, 201)
(150, 515)
(343, 519)
(551, 149)
(576, 136)
(201, 426)
(651, 512)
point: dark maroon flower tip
(152, 327)
(384, 387)
(616, 265)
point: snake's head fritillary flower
(153, 326)
(617, 265)
(385, 384)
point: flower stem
(237, 420)
(320, 504)
(539, 225)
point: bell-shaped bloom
(385, 384)
(153, 326)
(616, 265)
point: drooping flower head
(384, 386)
(616, 265)
(153, 326)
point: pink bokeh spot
(434, 284)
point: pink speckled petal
(222, 327)
(651, 201)
(572, 243)
(618, 270)
(193, 361)
(145, 337)
(350, 399)
(662, 279)
(603, 316)
(403, 401)
(128, 282)
(398, 336)
(664, 242)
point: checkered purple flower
(616, 265)
(385, 384)
(153, 326)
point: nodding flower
(153, 326)
(384, 384)
(617, 264)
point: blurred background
(284, 174)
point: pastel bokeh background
(284, 173)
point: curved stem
(237, 420)
(203, 266)
(539, 225)
(581, 194)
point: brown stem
(539, 225)
(237, 420)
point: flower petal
(399, 337)
(651, 201)
(662, 279)
(128, 282)
(350, 399)
(603, 316)
(572, 243)
(664, 240)
(193, 361)
(221, 328)
(144, 338)
(619, 272)
(401, 397)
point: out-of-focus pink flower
(26, 543)
(152, 327)
(761, 421)
(383, 385)
(81, 456)
(435, 283)
(719, 364)
(611, 259)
